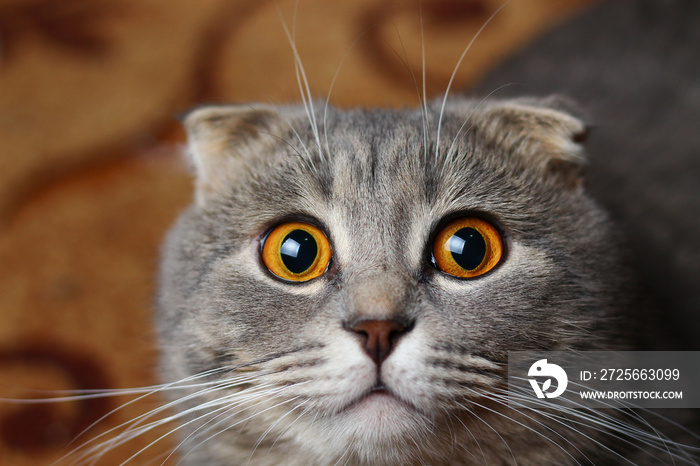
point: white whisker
(243, 421)
(225, 411)
(605, 424)
(134, 428)
(330, 90)
(291, 424)
(268, 430)
(454, 73)
(424, 103)
(472, 413)
(530, 428)
(304, 89)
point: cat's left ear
(224, 140)
(545, 132)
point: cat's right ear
(223, 139)
(545, 132)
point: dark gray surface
(634, 68)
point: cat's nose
(379, 337)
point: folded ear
(222, 140)
(542, 131)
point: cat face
(370, 348)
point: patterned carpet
(92, 173)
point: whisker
(299, 416)
(608, 425)
(184, 425)
(454, 73)
(88, 394)
(544, 414)
(633, 414)
(404, 61)
(135, 422)
(471, 114)
(530, 428)
(134, 431)
(472, 413)
(624, 404)
(330, 90)
(424, 103)
(231, 426)
(302, 80)
(478, 444)
(225, 410)
(308, 161)
(268, 430)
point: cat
(309, 314)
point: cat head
(319, 270)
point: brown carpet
(91, 171)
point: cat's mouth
(379, 389)
(380, 397)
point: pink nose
(378, 336)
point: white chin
(380, 414)
(376, 429)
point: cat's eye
(296, 251)
(467, 247)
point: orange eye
(296, 251)
(467, 248)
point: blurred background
(92, 170)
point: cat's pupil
(468, 248)
(298, 251)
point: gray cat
(313, 305)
